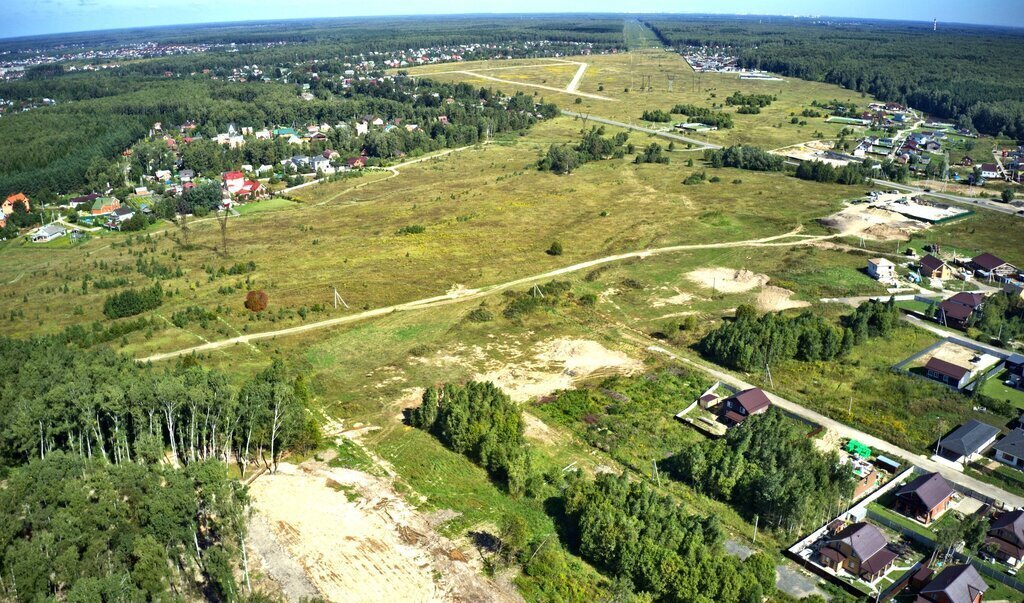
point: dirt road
(701, 145)
(463, 295)
(575, 83)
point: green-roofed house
(104, 205)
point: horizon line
(492, 14)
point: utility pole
(756, 518)
(656, 476)
(338, 299)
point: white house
(989, 171)
(882, 269)
(1010, 450)
(48, 233)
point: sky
(32, 17)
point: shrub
(411, 229)
(480, 315)
(555, 249)
(256, 301)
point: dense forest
(958, 72)
(116, 484)
(767, 467)
(77, 145)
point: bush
(480, 315)
(555, 249)
(256, 301)
(411, 229)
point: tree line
(102, 405)
(704, 115)
(750, 341)
(744, 157)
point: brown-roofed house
(860, 549)
(957, 310)
(748, 402)
(955, 584)
(924, 498)
(1006, 534)
(932, 266)
(948, 373)
(992, 264)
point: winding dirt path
(464, 295)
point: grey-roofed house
(968, 442)
(955, 584)
(48, 233)
(1010, 450)
(924, 498)
(1006, 535)
(859, 548)
(948, 373)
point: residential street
(981, 202)
(845, 431)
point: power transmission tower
(338, 299)
(536, 292)
(671, 80)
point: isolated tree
(256, 301)
(1007, 195)
(555, 249)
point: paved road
(986, 203)
(463, 295)
(846, 431)
(670, 135)
(541, 86)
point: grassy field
(465, 201)
(619, 77)
(995, 388)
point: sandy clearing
(775, 299)
(873, 223)
(557, 364)
(375, 547)
(727, 280)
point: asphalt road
(700, 144)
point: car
(927, 190)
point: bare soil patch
(873, 223)
(727, 280)
(557, 364)
(775, 299)
(356, 539)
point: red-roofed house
(233, 182)
(8, 205)
(355, 163)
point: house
(264, 168)
(748, 402)
(233, 181)
(924, 498)
(186, 175)
(958, 309)
(300, 161)
(319, 163)
(989, 171)
(83, 202)
(932, 266)
(861, 549)
(882, 269)
(356, 163)
(1015, 370)
(362, 128)
(1010, 450)
(48, 233)
(948, 373)
(991, 264)
(8, 205)
(1006, 535)
(967, 161)
(250, 189)
(955, 584)
(123, 214)
(331, 154)
(968, 442)
(104, 205)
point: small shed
(887, 464)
